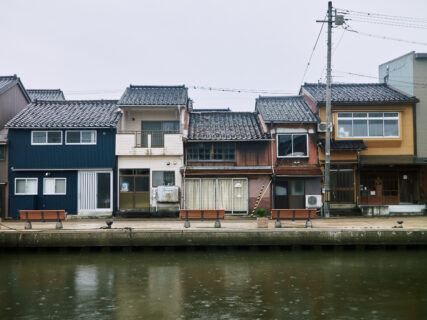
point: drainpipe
(273, 177)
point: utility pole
(327, 183)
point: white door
(95, 192)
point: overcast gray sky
(95, 48)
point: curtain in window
(208, 194)
(192, 194)
(225, 194)
(240, 194)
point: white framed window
(26, 186)
(54, 186)
(292, 145)
(80, 137)
(368, 124)
(46, 137)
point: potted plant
(262, 220)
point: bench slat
(293, 214)
(42, 215)
(201, 214)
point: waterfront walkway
(409, 222)
(234, 232)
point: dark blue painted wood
(23, 155)
(67, 202)
(43, 158)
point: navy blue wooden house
(62, 156)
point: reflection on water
(214, 285)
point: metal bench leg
(217, 223)
(278, 224)
(187, 222)
(28, 222)
(308, 223)
(58, 222)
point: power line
(390, 23)
(416, 84)
(235, 90)
(384, 16)
(314, 48)
(387, 38)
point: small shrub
(260, 212)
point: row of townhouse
(152, 153)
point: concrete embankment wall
(131, 238)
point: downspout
(273, 176)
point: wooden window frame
(292, 135)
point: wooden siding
(63, 156)
(12, 101)
(248, 154)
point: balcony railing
(157, 143)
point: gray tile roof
(344, 144)
(67, 114)
(154, 96)
(291, 109)
(213, 110)
(7, 82)
(46, 94)
(351, 93)
(216, 126)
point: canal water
(215, 284)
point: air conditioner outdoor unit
(167, 194)
(321, 127)
(313, 201)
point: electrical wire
(416, 84)
(314, 49)
(385, 16)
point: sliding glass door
(229, 194)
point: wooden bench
(293, 214)
(202, 215)
(43, 216)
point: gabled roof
(68, 114)
(353, 93)
(225, 126)
(46, 94)
(7, 82)
(289, 109)
(154, 96)
(344, 144)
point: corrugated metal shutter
(87, 191)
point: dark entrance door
(2, 201)
(281, 200)
(290, 194)
(407, 182)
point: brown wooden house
(227, 161)
(296, 172)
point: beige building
(150, 150)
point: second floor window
(211, 152)
(46, 137)
(80, 137)
(156, 130)
(292, 145)
(368, 124)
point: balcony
(153, 143)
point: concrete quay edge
(192, 238)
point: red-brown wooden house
(227, 161)
(296, 175)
